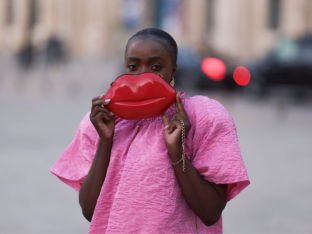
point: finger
(175, 124)
(181, 107)
(97, 98)
(166, 120)
(111, 122)
(176, 103)
(98, 109)
(101, 115)
(178, 117)
(100, 102)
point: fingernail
(166, 126)
(112, 113)
(102, 96)
(107, 100)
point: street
(40, 115)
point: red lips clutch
(141, 96)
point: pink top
(141, 193)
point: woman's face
(149, 56)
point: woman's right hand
(102, 118)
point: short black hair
(160, 36)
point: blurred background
(253, 56)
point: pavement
(40, 112)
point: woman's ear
(174, 70)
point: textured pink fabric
(141, 193)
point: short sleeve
(74, 164)
(215, 149)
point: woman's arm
(91, 187)
(104, 122)
(205, 198)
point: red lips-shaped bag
(141, 96)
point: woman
(129, 173)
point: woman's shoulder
(203, 101)
(87, 130)
(203, 108)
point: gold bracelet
(183, 148)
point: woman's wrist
(175, 153)
(105, 144)
(103, 140)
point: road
(40, 112)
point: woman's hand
(102, 119)
(173, 128)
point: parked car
(288, 64)
(190, 73)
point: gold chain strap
(183, 148)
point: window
(287, 50)
(168, 15)
(33, 14)
(274, 13)
(9, 15)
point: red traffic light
(214, 68)
(241, 76)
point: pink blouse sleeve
(215, 150)
(74, 164)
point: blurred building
(241, 29)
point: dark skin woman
(206, 199)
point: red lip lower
(140, 102)
(140, 96)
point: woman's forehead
(146, 48)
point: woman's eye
(156, 67)
(132, 66)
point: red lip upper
(141, 96)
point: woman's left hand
(173, 128)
